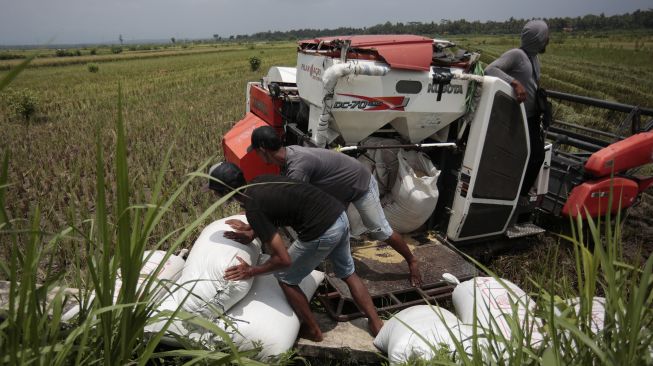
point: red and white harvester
(427, 95)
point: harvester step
(521, 230)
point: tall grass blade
(13, 73)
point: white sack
(400, 336)
(597, 316)
(493, 307)
(165, 277)
(176, 327)
(166, 283)
(414, 194)
(264, 317)
(169, 272)
(203, 273)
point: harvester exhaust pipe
(330, 79)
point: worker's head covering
(225, 177)
(265, 137)
(534, 37)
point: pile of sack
(483, 305)
(253, 312)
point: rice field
(188, 97)
(187, 101)
(184, 100)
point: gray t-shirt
(340, 175)
(515, 64)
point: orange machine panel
(626, 154)
(594, 197)
(235, 144)
(263, 105)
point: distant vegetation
(92, 67)
(254, 63)
(640, 19)
(10, 56)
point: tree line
(639, 19)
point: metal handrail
(634, 112)
(620, 107)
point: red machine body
(263, 105)
(403, 51)
(235, 144)
(636, 150)
(594, 196)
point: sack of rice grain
(414, 194)
(202, 281)
(423, 331)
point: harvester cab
(394, 99)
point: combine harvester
(425, 95)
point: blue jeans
(307, 255)
(369, 207)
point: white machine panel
(493, 165)
(362, 104)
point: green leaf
(7, 79)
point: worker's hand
(238, 225)
(520, 91)
(243, 237)
(238, 272)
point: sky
(100, 21)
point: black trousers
(536, 137)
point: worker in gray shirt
(343, 177)
(520, 67)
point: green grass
(615, 67)
(110, 245)
(569, 335)
(60, 217)
(187, 102)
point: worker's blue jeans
(369, 207)
(307, 255)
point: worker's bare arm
(279, 259)
(520, 91)
(243, 237)
(238, 225)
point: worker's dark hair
(265, 137)
(226, 177)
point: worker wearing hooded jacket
(343, 177)
(520, 67)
